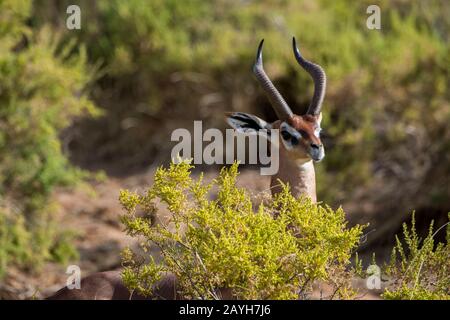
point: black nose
(315, 146)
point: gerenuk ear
(246, 123)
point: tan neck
(299, 174)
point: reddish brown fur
(306, 124)
(301, 179)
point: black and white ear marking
(247, 123)
(289, 136)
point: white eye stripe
(285, 127)
(290, 136)
(317, 132)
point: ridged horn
(319, 77)
(279, 105)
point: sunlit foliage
(419, 268)
(230, 243)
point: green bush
(420, 269)
(230, 243)
(42, 87)
(276, 250)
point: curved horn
(319, 77)
(279, 105)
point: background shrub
(386, 111)
(41, 89)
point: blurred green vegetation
(41, 89)
(166, 63)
